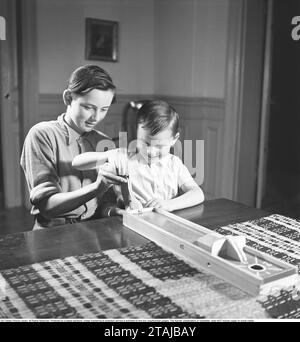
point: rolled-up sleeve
(39, 164)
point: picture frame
(101, 40)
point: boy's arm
(90, 160)
(61, 202)
(193, 195)
(114, 161)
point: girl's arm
(90, 160)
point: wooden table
(92, 236)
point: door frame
(10, 108)
(265, 108)
(28, 75)
(19, 93)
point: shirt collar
(161, 162)
(70, 133)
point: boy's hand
(113, 172)
(117, 212)
(154, 203)
(113, 211)
(120, 161)
(135, 204)
(109, 178)
(159, 204)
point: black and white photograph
(149, 166)
(101, 40)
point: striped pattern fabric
(146, 282)
(143, 282)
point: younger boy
(157, 177)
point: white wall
(190, 41)
(61, 42)
(174, 49)
(166, 47)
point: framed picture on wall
(101, 40)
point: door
(243, 89)
(279, 186)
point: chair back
(128, 124)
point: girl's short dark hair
(158, 115)
(89, 77)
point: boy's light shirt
(161, 180)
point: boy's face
(88, 110)
(154, 147)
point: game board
(226, 257)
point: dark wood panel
(15, 220)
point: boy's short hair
(158, 115)
(89, 77)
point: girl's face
(86, 111)
(155, 147)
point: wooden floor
(15, 220)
